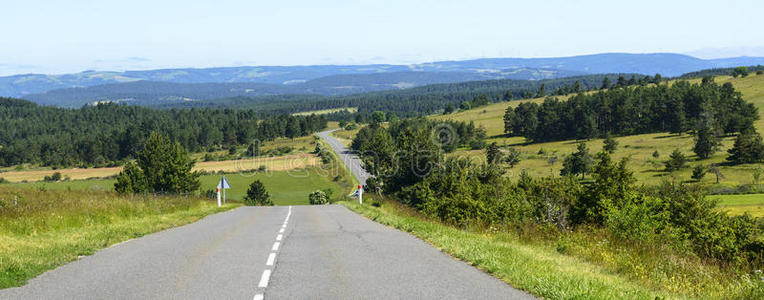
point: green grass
(740, 204)
(47, 229)
(285, 187)
(583, 266)
(638, 148)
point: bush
(477, 145)
(257, 195)
(56, 176)
(698, 172)
(640, 218)
(318, 197)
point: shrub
(318, 197)
(477, 145)
(257, 195)
(56, 176)
(640, 218)
(698, 172)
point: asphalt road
(353, 162)
(324, 252)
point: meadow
(544, 159)
(740, 204)
(286, 187)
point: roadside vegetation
(591, 210)
(43, 229)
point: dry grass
(277, 163)
(325, 111)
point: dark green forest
(675, 108)
(106, 134)
(420, 101)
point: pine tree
(507, 96)
(579, 162)
(257, 195)
(706, 141)
(493, 154)
(748, 148)
(509, 120)
(605, 83)
(450, 108)
(162, 166)
(610, 144)
(676, 161)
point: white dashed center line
(264, 279)
(272, 257)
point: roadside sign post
(223, 185)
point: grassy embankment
(537, 158)
(569, 266)
(41, 230)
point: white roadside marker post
(360, 194)
(218, 197)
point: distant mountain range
(210, 83)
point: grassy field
(285, 187)
(289, 187)
(345, 136)
(41, 230)
(277, 163)
(740, 204)
(299, 157)
(325, 111)
(568, 269)
(543, 159)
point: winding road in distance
(298, 252)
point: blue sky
(76, 35)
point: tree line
(422, 100)
(106, 134)
(676, 108)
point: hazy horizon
(79, 35)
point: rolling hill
(332, 79)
